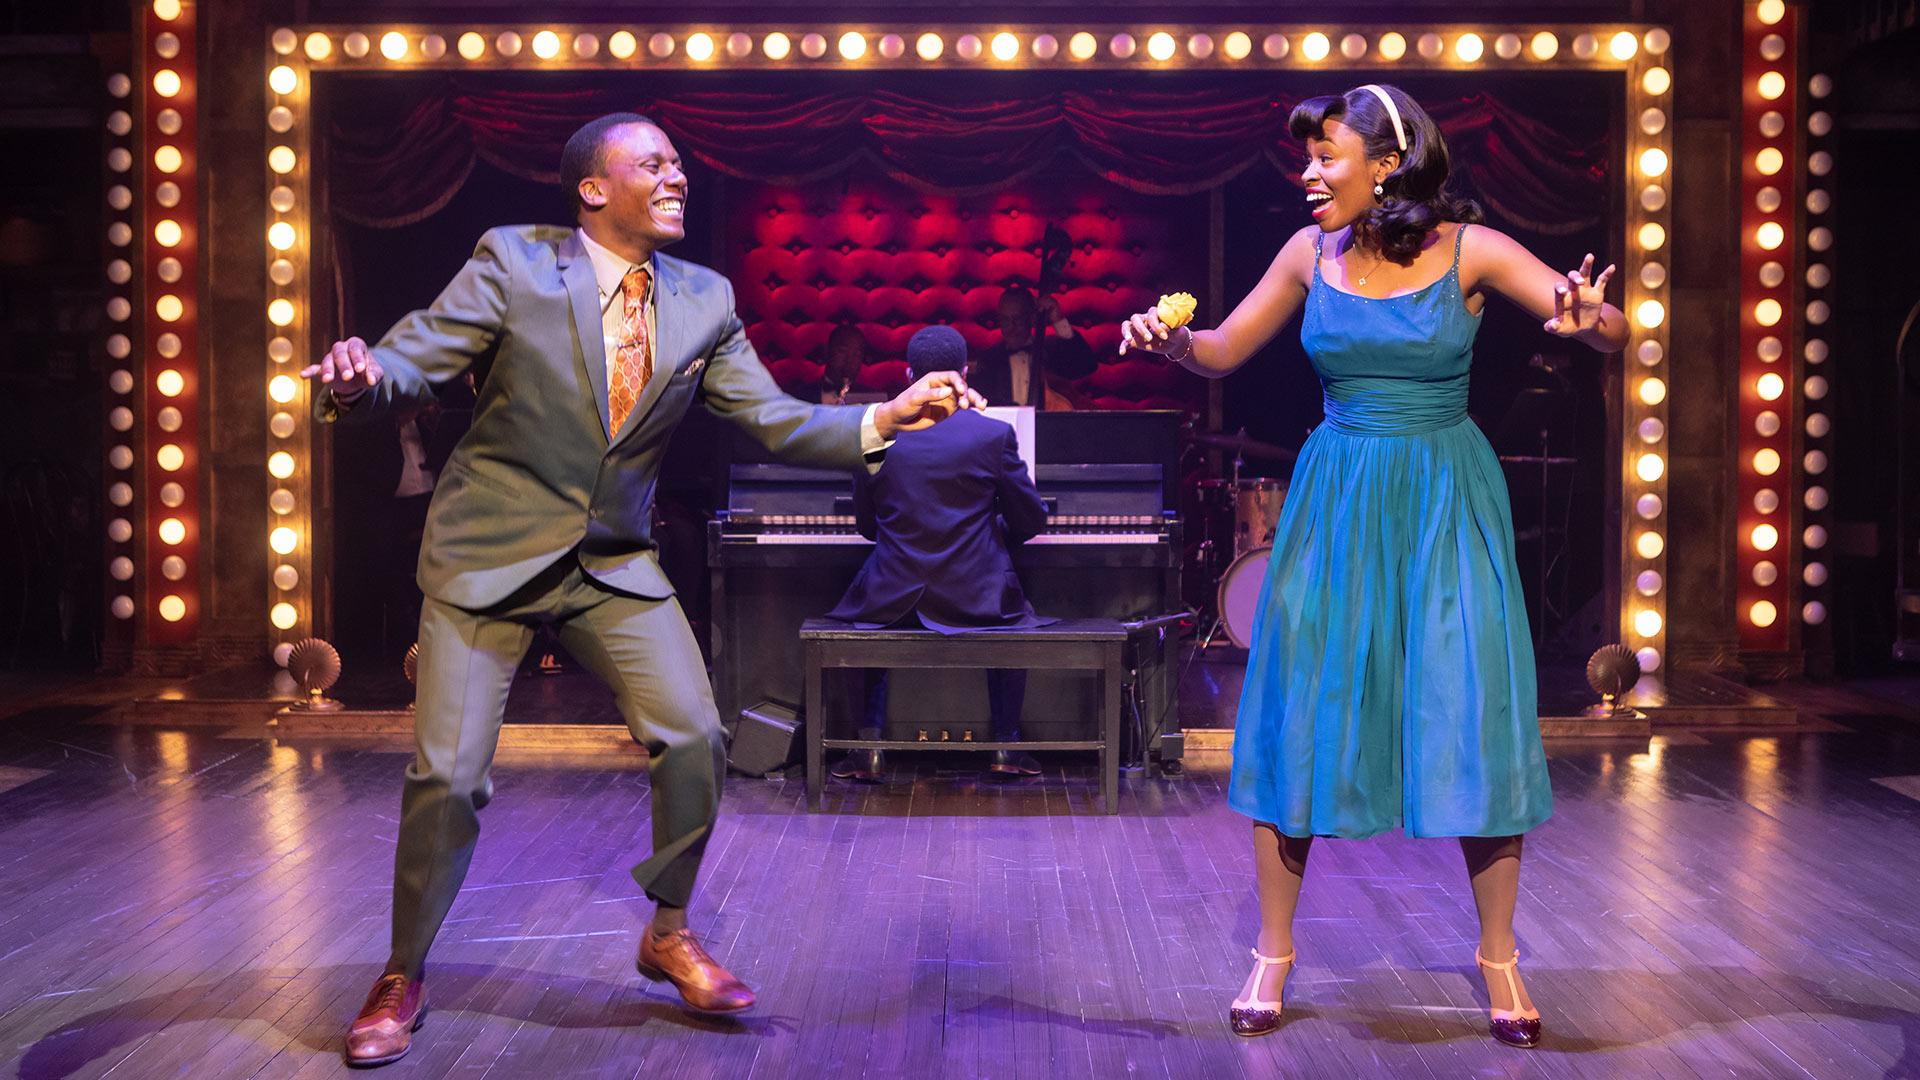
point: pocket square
(694, 368)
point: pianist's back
(943, 510)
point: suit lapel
(669, 334)
(576, 270)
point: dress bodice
(1391, 366)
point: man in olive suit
(600, 345)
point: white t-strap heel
(1511, 1027)
(1250, 1016)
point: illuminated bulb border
(1771, 284)
(122, 596)
(1578, 47)
(1817, 139)
(292, 435)
(746, 45)
(168, 420)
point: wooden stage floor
(212, 902)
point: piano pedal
(945, 735)
(923, 736)
(966, 735)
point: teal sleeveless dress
(1390, 679)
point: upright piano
(785, 549)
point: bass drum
(1239, 595)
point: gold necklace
(1377, 264)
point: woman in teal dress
(1390, 681)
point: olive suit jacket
(541, 472)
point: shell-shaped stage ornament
(315, 665)
(1612, 670)
(1176, 309)
(410, 666)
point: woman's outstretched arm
(1571, 305)
(1253, 323)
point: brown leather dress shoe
(383, 1032)
(703, 984)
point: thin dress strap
(1457, 234)
(1317, 238)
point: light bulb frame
(167, 188)
(1772, 242)
(1646, 354)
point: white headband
(1393, 111)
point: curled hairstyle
(1416, 199)
(586, 152)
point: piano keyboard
(839, 529)
(1043, 538)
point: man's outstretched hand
(934, 398)
(348, 367)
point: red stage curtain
(397, 169)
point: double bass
(1056, 248)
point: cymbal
(1249, 446)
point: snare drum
(1239, 595)
(1256, 512)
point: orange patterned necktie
(632, 359)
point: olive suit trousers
(642, 648)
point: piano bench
(1068, 645)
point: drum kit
(1237, 516)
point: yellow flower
(1176, 309)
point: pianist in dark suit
(943, 513)
(1015, 371)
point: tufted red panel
(892, 260)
